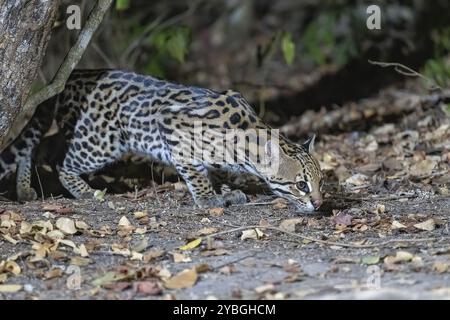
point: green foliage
(170, 44)
(174, 41)
(322, 43)
(288, 48)
(178, 44)
(122, 4)
(438, 68)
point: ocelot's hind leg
(73, 183)
(80, 160)
(23, 181)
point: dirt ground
(383, 231)
(277, 265)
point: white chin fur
(308, 208)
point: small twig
(153, 185)
(432, 175)
(108, 253)
(255, 204)
(403, 70)
(330, 243)
(40, 183)
(234, 261)
(102, 55)
(3, 199)
(388, 198)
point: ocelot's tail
(20, 151)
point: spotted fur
(104, 114)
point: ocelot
(104, 114)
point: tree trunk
(25, 27)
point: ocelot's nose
(316, 203)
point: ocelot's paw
(216, 201)
(235, 197)
(26, 194)
(86, 196)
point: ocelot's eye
(302, 186)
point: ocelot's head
(298, 177)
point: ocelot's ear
(309, 144)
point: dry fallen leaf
(423, 168)
(141, 246)
(12, 267)
(82, 251)
(66, 225)
(342, 220)
(179, 257)
(357, 180)
(8, 238)
(140, 214)
(136, 256)
(428, 225)
(10, 288)
(81, 225)
(180, 186)
(227, 270)
(3, 277)
(400, 257)
(215, 212)
(265, 288)
(191, 245)
(68, 243)
(124, 222)
(441, 267)
(140, 230)
(203, 267)
(79, 261)
(291, 225)
(107, 278)
(25, 227)
(397, 225)
(279, 203)
(185, 279)
(252, 234)
(215, 252)
(53, 273)
(149, 287)
(206, 231)
(152, 254)
(379, 209)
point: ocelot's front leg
(74, 184)
(196, 178)
(220, 178)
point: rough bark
(73, 56)
(25, 27)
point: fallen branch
(388, 198)
(325, 242)
(72, 58)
